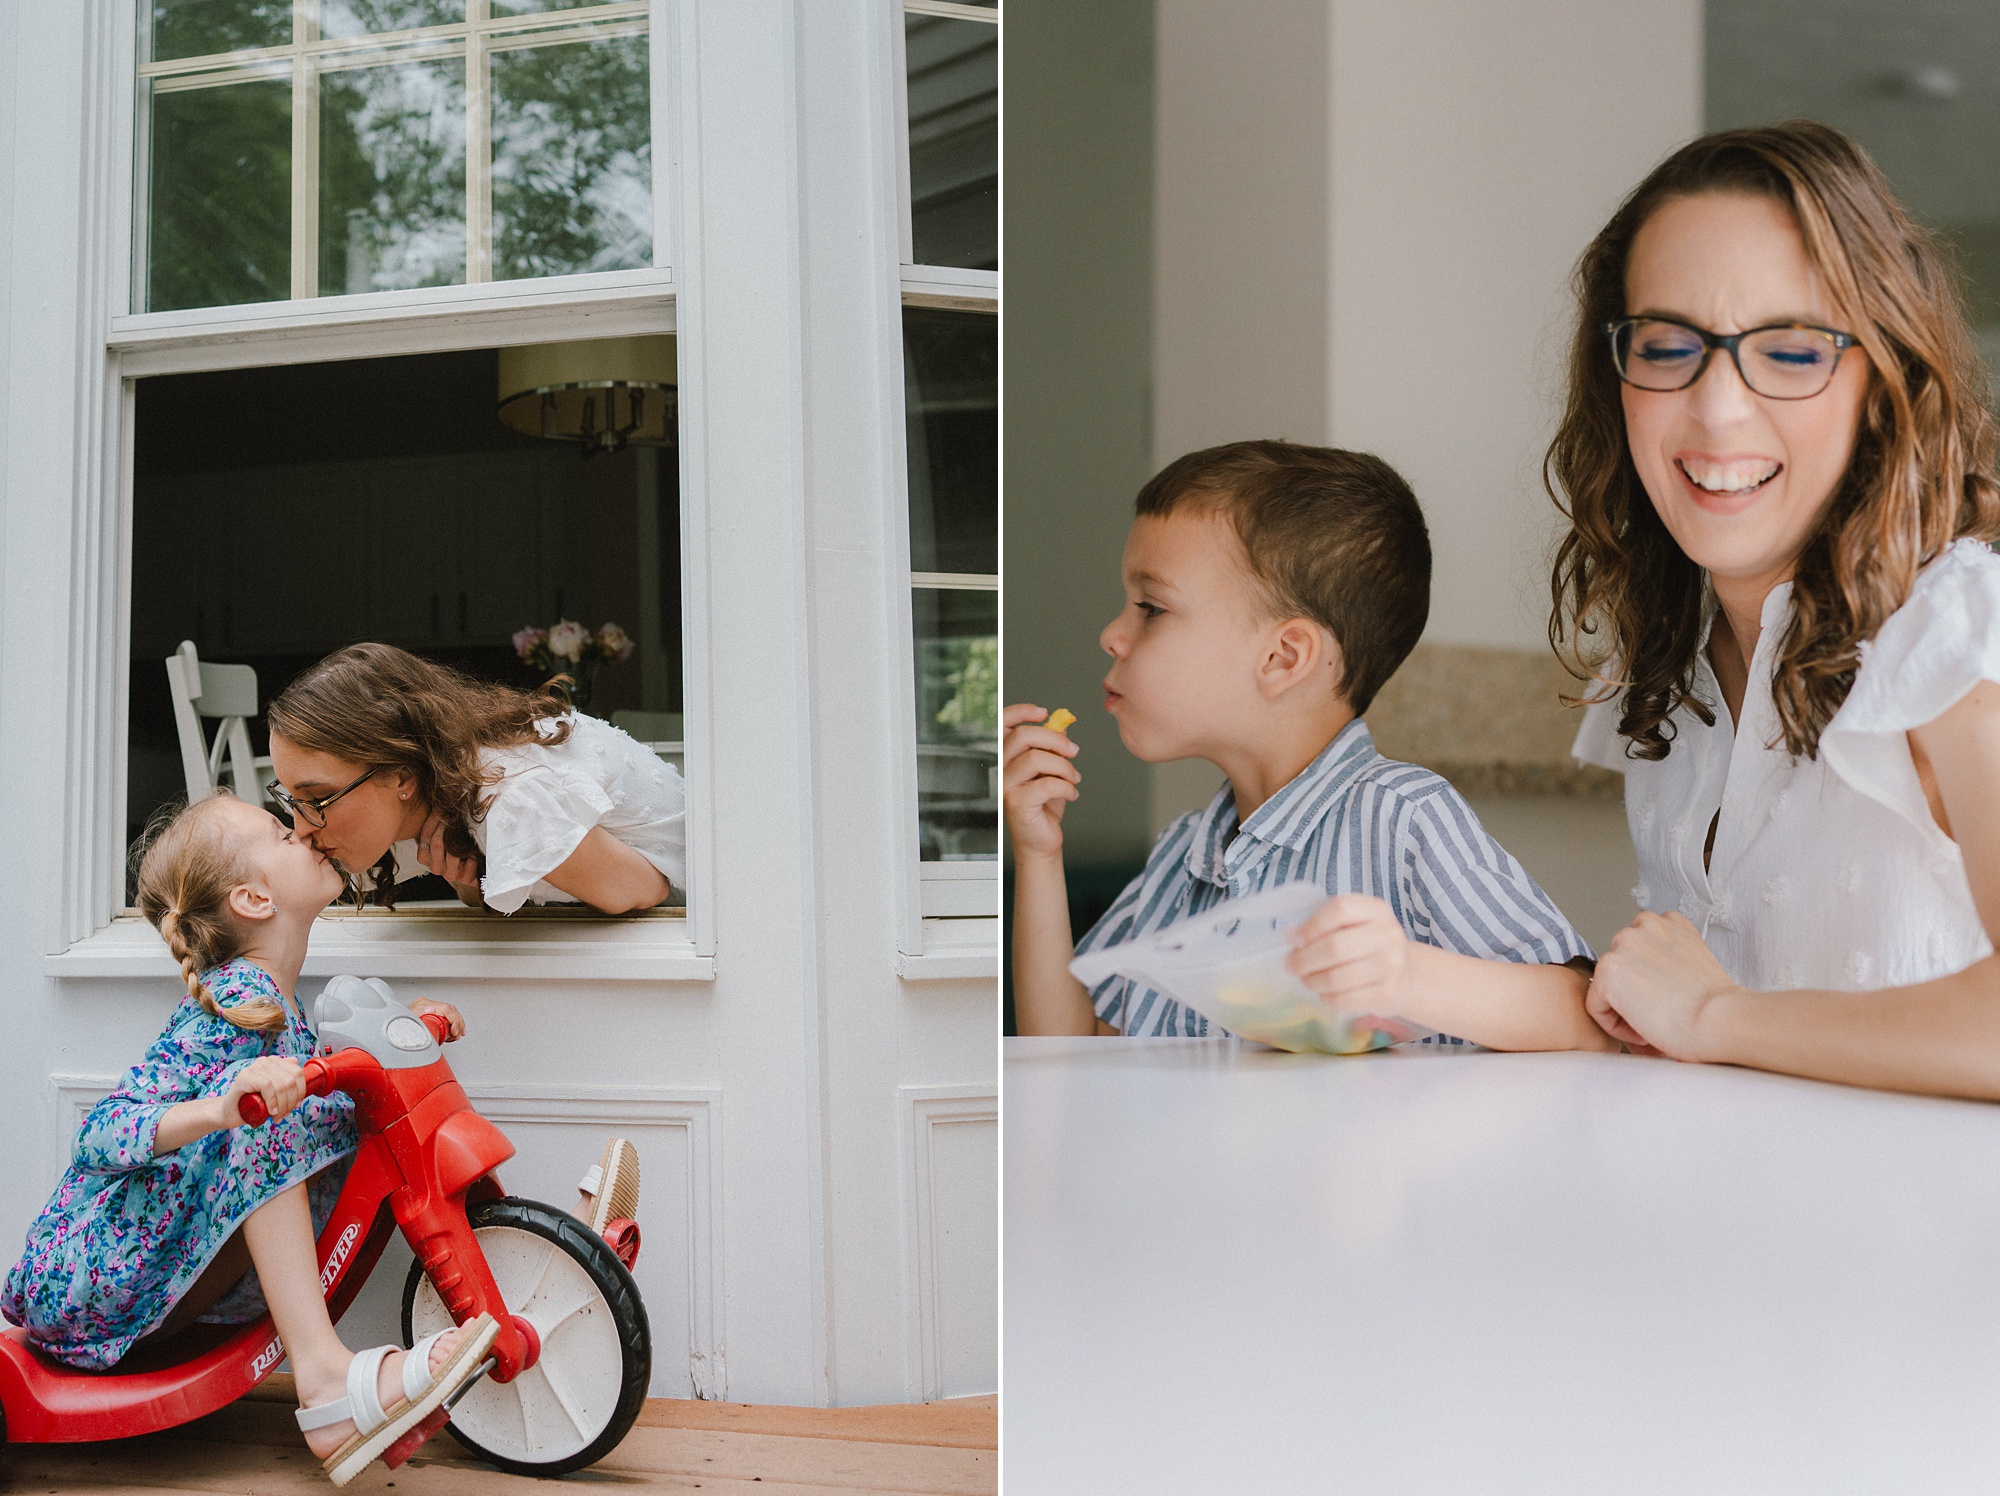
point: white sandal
(613, 1185)
(376, 1427)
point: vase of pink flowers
(571, 654)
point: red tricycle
(567, 1375)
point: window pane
(221, 203)
(572, 159)
(954, 81)
(198, 28)
(951, 402)
(339, 18)
(958, 724)
(539, 7)
(392, 177)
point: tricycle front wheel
(578, 1400)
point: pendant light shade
(606, 394)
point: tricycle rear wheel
(577, 1401)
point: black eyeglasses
(1784, 361)
(313, 812)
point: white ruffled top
(1827, 873)
(550, 795)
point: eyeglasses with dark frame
(1787, 360)
(313, 812)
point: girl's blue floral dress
(126, 1234)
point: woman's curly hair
(1627, 602)
(381, 707)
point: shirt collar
(1288, 819)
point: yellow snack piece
(1060, 719)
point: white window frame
(95, 937)
(949, 892)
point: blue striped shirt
(1351, 822)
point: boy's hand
(1352, 951)
(456, 1019)
(281, 1082)
(1038, 781)
(1653, 984)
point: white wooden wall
(807, 1066)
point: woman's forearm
(186, 1121)
(1501, 1004)
(1047, 999)
(1941, 1038)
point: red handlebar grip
(439, 1025)
(250, 1106)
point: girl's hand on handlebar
(460, 871)
(446, 1011)
(280, 1082)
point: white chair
(228, 695)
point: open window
(282, 513)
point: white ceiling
(1856, 64)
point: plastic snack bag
(1229, 966)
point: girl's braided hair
(188, 863)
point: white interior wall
(1476, 148)
(1371, 208)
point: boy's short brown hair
(1331, 535)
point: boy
(1270, 590)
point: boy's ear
(1299, 651)
(250, 901)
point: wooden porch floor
(721, 1449)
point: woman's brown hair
(188, 863)
(384, 708)
(1626, 598)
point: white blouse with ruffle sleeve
(1827, 873)
(549, 796)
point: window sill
(534, 945)
(955, 950)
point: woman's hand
(461, 872)
(281, 1082)
(451, 1015)
(1653, 985)
(1352, 951)
(1038, 779)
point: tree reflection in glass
(958, 723)
(572, 159)
(340, 18)
(221, 196)
(392, 177)
(197, 28)
(539, 7)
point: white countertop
(1480, 1273)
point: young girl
(507, 795)
(169, 1199)
(1778, 465)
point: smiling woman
(1781, 560)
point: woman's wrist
(1715, 1026)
